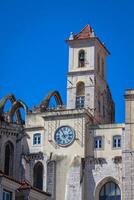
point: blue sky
(34, 55)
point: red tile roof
(85, 33)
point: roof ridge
(84, 28)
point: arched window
(81, 58)
(116, 141)
(38, 176)
(9, 157)
(110, 191)
(36, 139)
(80, 95)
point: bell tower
(86, 79)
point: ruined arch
(15, 107)
(45, 103)
(12, 99)
(102, 183)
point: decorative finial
(93, 33)
(71, 37)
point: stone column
(73, 186)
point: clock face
(64, 136)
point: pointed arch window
(80, 95)
(81, 58)
(9, 157)
(110, 191)
(38, 175)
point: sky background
(34, 55)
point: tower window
(37, 138)
(117, 141)
(99, 106)
(80, 101)
(80, 95)
(81, 61)
(98, 62)
(98, 142)
(102, 66)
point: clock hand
(63, 133)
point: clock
(64, 136)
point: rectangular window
(98, 142)
(99, 106)
(37, 138)
(116, 141)
(80, 101)
(7, 195)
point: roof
(86, 33)
(23, 184)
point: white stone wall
(96, 175)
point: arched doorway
(38, 175)
(110, 191)
(9, 157)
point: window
(98, 62)
(110, 191)
(81, 61)
(104, 111)
(117, 141)
(80, 101)
(98, 142)
(37, 138)
(102, 66)
(7, 195)
(80, 95)
(38, 175)
(9, 157)
(99, 106)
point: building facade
(72, 152)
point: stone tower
(128, 148)
(86, 80)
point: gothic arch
(38, 175)
(102, 183)
(12, 99)
(8, 158)
(15, 107)
(45, 103)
